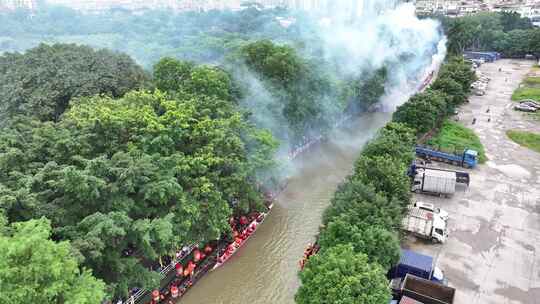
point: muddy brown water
(264, 271)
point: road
(493, 252)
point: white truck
(434, 181)
(430, 207)
(425, 224)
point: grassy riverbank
(529, 89)
(454, 137)
(526, 139)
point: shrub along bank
(360, 235)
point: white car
(430, 207)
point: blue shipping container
(417, 264)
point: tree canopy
(298, 87)
(379, 244)
(35, 269)
(339, 275)
(427, 110)
(285, 75)
(424, 111)
(505, 32)
(42, 81)
(144, 171)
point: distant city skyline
(187, 5)
(527, 8)
(14, 4)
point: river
(265, 270)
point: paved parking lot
(493, 251)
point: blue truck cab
(470, 157)
(417, 264)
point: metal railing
(135, 298)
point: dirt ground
(492, 254)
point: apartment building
(15, 4)
(527, 8)
(177, 5)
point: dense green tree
(103, 239)
(302, 89)
(423, 111)
(379, 244)
(210, 81)
(388, 176)
(460, 36)
(487, 26)
(43, 81)
(35, 269)
(363, 206)
(514, 21)
(303, 82)
(171, 74)
(535, 43)
(460, 71)
(394, 141)
(365, 90)
(517, 43)
(452, 89)
(145, 171)
(505, 32)
(280, 64)
(372, 88)
(339, 275)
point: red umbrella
(179, 269)
(174, 292)
(155, 295)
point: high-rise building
(177, 5)
(354, 7)
(15, 4)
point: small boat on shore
(241, 238)
(196, 261)
(311, 250)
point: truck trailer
(461, 177)
(434, 182)
(467, 159)
(426, 292)
(417, 264)
(425, 224)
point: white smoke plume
(364, 36)
(384, 33)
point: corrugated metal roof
(440, 173)
(420, 213)
(416, 260)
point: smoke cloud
(386, 35)
(357, 38)
(353, 40)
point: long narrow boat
(249, 231)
